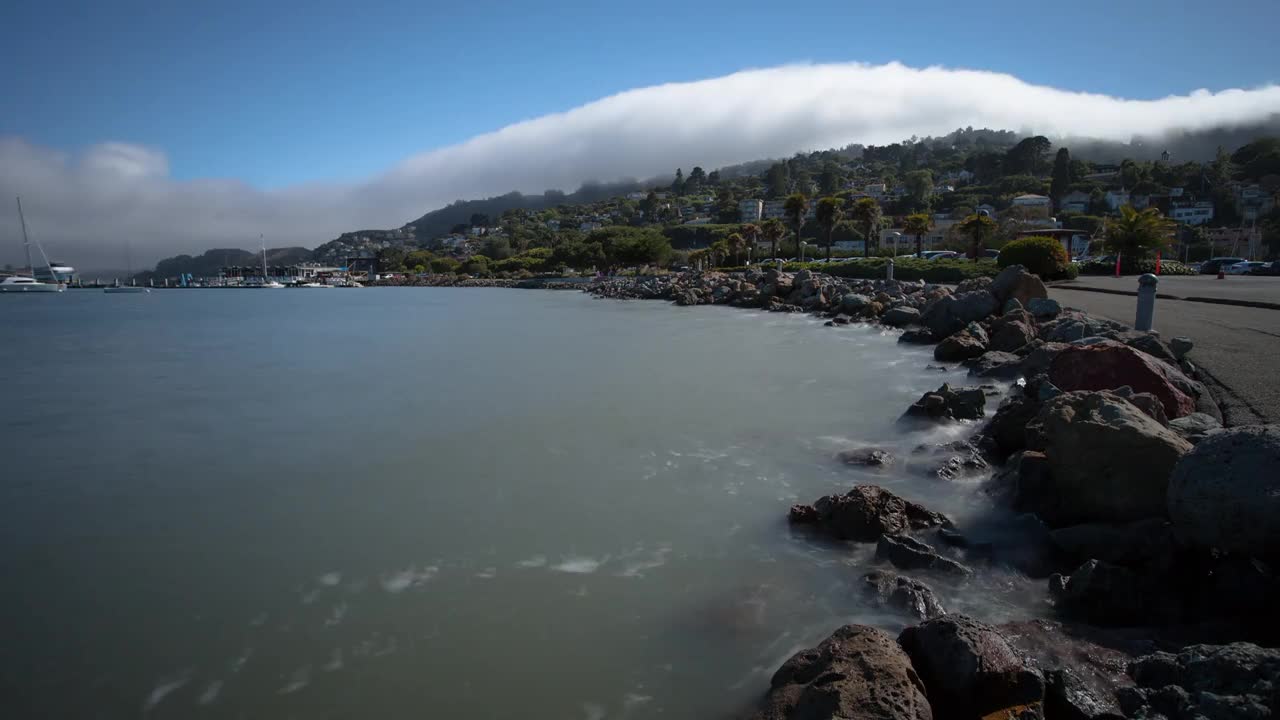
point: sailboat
(266, 281)
(28, 283)
(131, 289)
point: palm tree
(797, 206)
(866, 213)
(697, 257)
(773, 230)
(830, 211)
(734, 243)
(1138, 232)
(719, 250)
(918, 225)
(978, 228)
(751, 232)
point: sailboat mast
(264, 258)
(26, 242)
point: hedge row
(1135, 266)
(932, 271)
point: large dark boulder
(969, 668)
(947, 403)
(906, 553)
(1007, 428)
(996, 364)
(1215, 682)
(865, 513)
(1108, 365)
(1083, 665)
(1108, 461)
(1225, 493)
(1014, 282)
(963, 345)
(889, 589)
(952, 312)
(1131, 544)
(1104, 594)
(858, 672)
(900, 316)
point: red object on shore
(1157, 262)
(1117, 264)
(1221, 273)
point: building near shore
(750, 211)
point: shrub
(904, 268)
(1043, 256)
(1134, 266)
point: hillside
(210, 262)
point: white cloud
(84, 207)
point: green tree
(919, 185)
(1137, 233)
(677, 185)
(1061, 176)
(735, 243)
(979, 228)
(778, 179)
(866, 214)
(796, 207)
(918, 225)
(829, 211)
(773, 230)
(751, 232)
(719, 250)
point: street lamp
(896, 237)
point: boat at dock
(28, 283)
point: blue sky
(279, 93)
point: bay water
(478, 503)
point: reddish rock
(1109, 365)
(865, 513)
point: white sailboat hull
(30, 287)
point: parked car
(1211, 267)
(945, 255)
(993, 254)
(1245, 268)
(1271, 268)
(931, 254)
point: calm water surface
(431, 502)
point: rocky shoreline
(1154, 528)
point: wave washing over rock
(1155, 530)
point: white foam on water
(580, 565)
(162, 690)
(339, 612)
(330, 579)
(407, 578)
(300, 679)
(593, 711)
(533, 562)
(238, 663)
(637, 569)
(335, 661)
(488, 573)
(210, 693)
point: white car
(1243, 268)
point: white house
(1192, 213)
(750, 211)
(1117, 198)
(1032, 201)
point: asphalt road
(1238, 348)
(1248, 288)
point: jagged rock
(1011, 305)
(853, 303)
(1044, 307)
(996, 364)
(1146, 402)
(1010, 336)
(1108, 461)
(1108, 365)
(974, 285)
(1073, 325)
(958, 466)
(969, 668)
(917, 336)
(946, 403)
(857, 672)
(1008, 426)
(1225, 493)
(1015, 282)
(1105, 594)
(1037, 356)
(865, 513)
(950, 313)
(902, 593)
(1148, 342)
(1239, 681)
(1128, 544)
(900, 316)
(963, 345)
(868, 457)
(907, 553)
(1181, 346)
(1083, 666)
(1195, 427)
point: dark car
(1212, 267)
(1271, 268)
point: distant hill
(439, 222)
(209, 263)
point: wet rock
(907, 553)
(1044, 307)
(1015, 282)
(1215, 682)
(956, 467)
(853, 303)
(996, 364)
(857, 672)
(902, 593)
(1105, 594)
(1195, 427)
(946, 403)
(865, 513)
(1108, 461)
(1011, 305)
(917, 336)
(1038, 356)
(950, 313)
(1108, 365)
(1012, 335)
(900, 316)
(1083, 666)
(1008, 426)
(1225, 493)
(867, 457)
(969, 668)
(1128, 544)
(963, 345)
(1181, 346)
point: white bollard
(888, 270)
(1146, 302)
